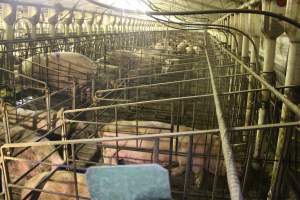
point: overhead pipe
(292, 77)
(238, 35)
(139, 25)
(271, 30)
(123, 24)
(9, 19)
(113, 20)
(67, 22)
(136, 25)
(99, 23)
(227, 23)
(245, 42)
(117, 22)
(232, 24)
(79, 20)
(251, 3)
(34, 14)
(144, 25)
(53, 18)
(90, 21)
(200, 12)
(132, 23)
(105, 23)
(126, 26)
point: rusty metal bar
(232, 177)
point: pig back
(129, 128)
(58, 68)
(31, 156)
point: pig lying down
(62, 182)
(203, 144)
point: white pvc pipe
(245, 50)
(250, 94)
(292, 78)
(268, 67)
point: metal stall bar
(134, 137)
(26, 77)
(161, 83)
(194, 61)
(293, 107)
(140, 137)
(231, 173)
(152, 67)
(159, 101)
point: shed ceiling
(158, 5)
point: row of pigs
(65, 67)
(112, 153)
(62, 181)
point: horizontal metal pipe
(163, 63)
(26, 77)
(138, 137)
(171, 72)
(48, 68)
(162, 100)
(165, 83)
(161, 74)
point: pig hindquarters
(31, 157)
(60, 182)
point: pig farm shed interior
(205, 91)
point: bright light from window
(128, 4)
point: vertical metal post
(250, 99)
(48, 108)
(5, 120)
(6, 178)
(74, 95)
(216, 173)
(268, 68)
(292, 73)
(64, 138)
(156, 150)
(116, 131)
(188, 168)
(93, 89)
(74, 171)
(171, 139)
